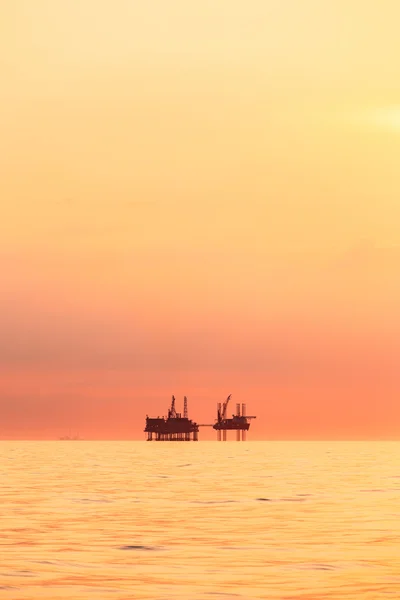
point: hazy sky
(199, 198)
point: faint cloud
(105, 203)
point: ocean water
(199, 521)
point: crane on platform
(172, 410)
(222, 412)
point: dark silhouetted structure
(238, 422)
(70, 437)
(174, 427)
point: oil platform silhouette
(182, 429)
(174, 427)
(238, 422)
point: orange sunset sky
(200, 198)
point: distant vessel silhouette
(70, 438)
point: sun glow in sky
(188, 208)
(387, 118)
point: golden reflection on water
(137, 520)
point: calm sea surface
(136, 520)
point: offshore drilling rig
(238, 422)
(174, 427)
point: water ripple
(253, 521)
